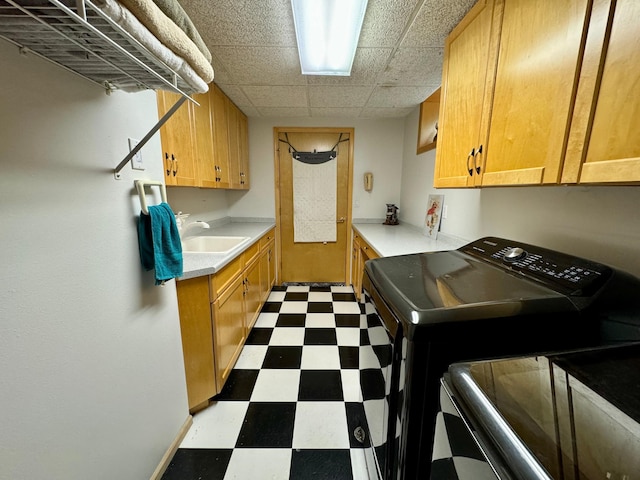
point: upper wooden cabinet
(206, 145)
(541, 93)
(604, 144)
(428, 123)
(465, 98)
(177, 139)
(538, 64)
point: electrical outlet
(136, 160)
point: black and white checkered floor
(291, 403)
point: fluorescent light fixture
(327, 32)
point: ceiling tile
(397, 97)
(284, 111)
(338, 96)
(276, 96)
(385, 21)
(243, 22)
(414, 67)
(434, 22)
(235, 93)
(386, 112)
(367, 64)
(261, 65)
(250, 111)
(335, 112)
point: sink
(211, 244)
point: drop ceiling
(398, 61)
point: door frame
(276, 156)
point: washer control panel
(566, 273)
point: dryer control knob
(514, 254)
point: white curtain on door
(314, 201)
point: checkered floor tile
(292, 402)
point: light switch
(136, 160)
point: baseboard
(166, 459)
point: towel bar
(140, 184)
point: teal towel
(159, 242)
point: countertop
(403, 239)
(198, 264)
(386, 240)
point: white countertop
(386, 240)
(403, 239)
(198, 264)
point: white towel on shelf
(314, 201)
(128, 21)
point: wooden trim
(276, 179)
(451, 182)
(626, 170)
(524, 176)
(171, 451)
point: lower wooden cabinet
(197, 339)
(361, 252)
(217, 313)
(229, 329)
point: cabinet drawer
(221, 280)
(268, 238)
(251, 253)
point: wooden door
(468, 72)
(313, 261)
(539, 58)
(176, 136)
(605, 140)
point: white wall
(92, 376)
(597, 222)
(377, 149)
(200, 203)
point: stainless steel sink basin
(206, 244)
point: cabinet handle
(341, 220)
(471, 154)
(479, 151)
(174, 162)
(167, 162)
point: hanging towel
(314, 201)
(159, 242)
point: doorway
(313, 203)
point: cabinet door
(229, 329)
(176, 137)
(605, 144)
(197, 339)
(206, 168)
(356, 279)
(243, 150)
(220, 135)
(253, 290)
(467, 79)
(539, 58)
(233, 126)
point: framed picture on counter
(434, 213)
